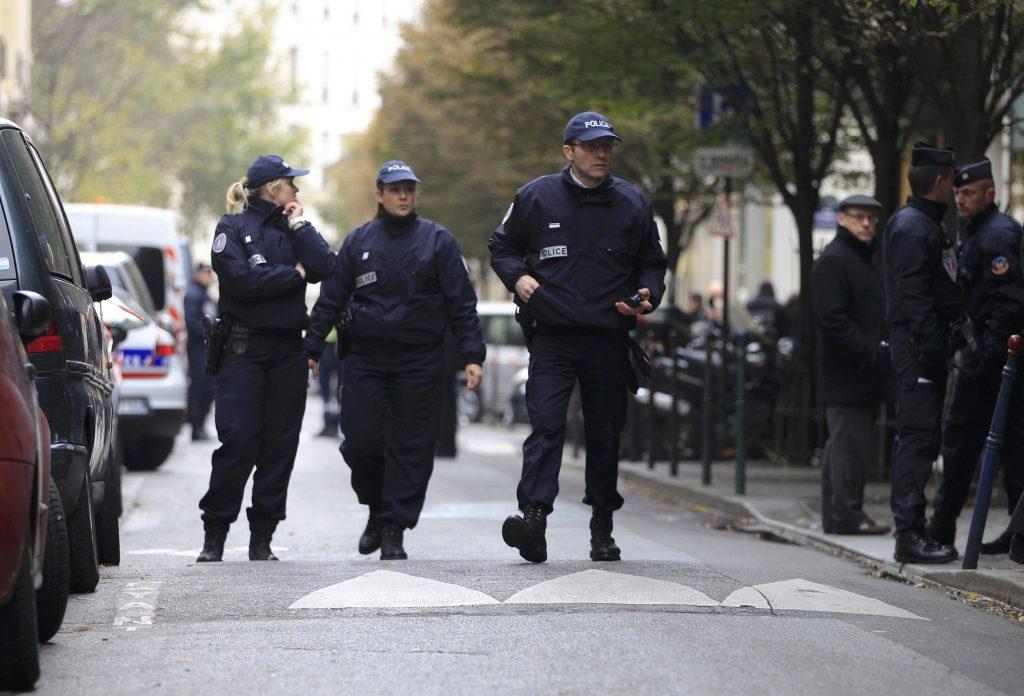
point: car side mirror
(118, 333)
(31, 314)
(98, 282)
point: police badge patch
(219, 242)
(949, 262)
(1000, 265)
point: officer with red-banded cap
(574, 247)
(989, 270)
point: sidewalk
(786, 502)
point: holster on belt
(344, 331)
(215, 339)
(526, 323)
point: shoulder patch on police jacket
(219, 242)
(366, 279)
(554, 251)
(1000, 265)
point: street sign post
(731, 161)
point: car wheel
(148, 453)
(85, 572)
(19, 639)
(108, 536)
(468, 408)
(52, 596)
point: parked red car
(34, 560)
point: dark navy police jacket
(588, 248)
(990, 272)
(404, 281)
(922, 294)
(254, 256)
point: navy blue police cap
(588, 125)
(975, 171)
(270, 167)
(859, 201)
(923, 155)
(395, 170)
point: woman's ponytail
(238, 196)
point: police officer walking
(580, 250)
(923, 299)
(200, 384)
(404, 282)
(264, 253)
(990, 274)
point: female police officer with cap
(264, 253)
(403, 280)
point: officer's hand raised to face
(292, 210)
(474, 376)
(525, 287)
(644, 306)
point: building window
(293, 72)
(3, 58)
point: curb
(982, 582)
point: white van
(151, 237)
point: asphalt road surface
(691, 609)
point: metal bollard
(652, 417)
(674, 417)
(707, 435)
(741, 413)
(993, 448)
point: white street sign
(724, 161)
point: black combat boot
(941, 531)
(914, 546)
(259, 546)
(526, 533)
(370, 540)
(1017, 548)
(602, 545)
(391, 548)
(1001, 544)
(213, 547)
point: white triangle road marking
(388, 589)
(803, 595)
(746, 597)
(603, 587)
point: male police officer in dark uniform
(573, 247)
(923, 299)
(264, 256)
(200, 384)
(990, 274)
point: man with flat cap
(581, 252)
(923, 300)
(990, 273)
(848, 298)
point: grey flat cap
(859, 201)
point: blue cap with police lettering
(395, 170)
(268, 168)
(589, 125)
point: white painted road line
(603, 587)
(388, 589)
(136, 605)
(803, 595)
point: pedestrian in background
(404, 281)
(989, 269)
(923, 299)
(265, 253)
(329, 379)
(849, 297)
(580, 250)
(200, 384)
(767, 313)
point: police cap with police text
(588, 125)
(395, 170)
(859, 201)
(923, 155)
(975, 171)
(270, 167)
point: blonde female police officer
(404, 282)
(264, 253)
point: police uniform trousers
(200, 385)
(848, 454)
(389, 417)
(559, 357)
(967, 426)
(260, 397)
(918, 434)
